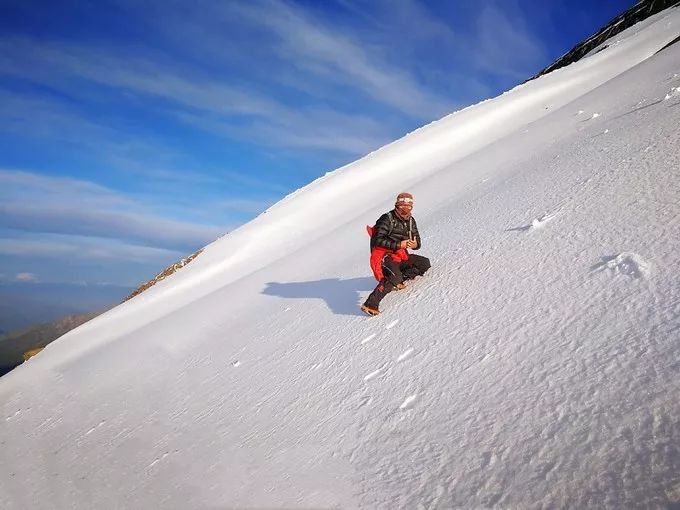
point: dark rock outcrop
(640, 11)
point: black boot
(371, 304)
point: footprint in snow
(626, 263)
(408, 401)
(406, 354)
(374, 374)
(540, 222)
(364, 401)
(95, 428)
(12, 416)
(675, 92)
(159, 459)
(368, 338)
(592, 117)
(487, 459)
(536, 223)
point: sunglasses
(405, 200)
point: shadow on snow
(341, 296)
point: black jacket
(390, 230)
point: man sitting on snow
(392, 235)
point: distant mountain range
(14, 345)
(57, 308)
(71, 305)
(26, 304)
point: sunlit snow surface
(536, 365)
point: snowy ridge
(534, 366)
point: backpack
(370, 229)
(377, 254)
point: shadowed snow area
(535, 365)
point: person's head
(404, 204)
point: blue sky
(134, 132)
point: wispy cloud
(506, 46)
(335, 66)
(320, 130)
(312, 44)
(40, 116)
(20, 185)
(159, 173)
(205, 102)
(83, 248)
(157, 169)
(140, 228)
(493, 37)
(35, 203)
(46, 119)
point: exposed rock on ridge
(164, 274)
(640, 11)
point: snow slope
(536, 365)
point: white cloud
(36, 203)
(17, 184)
(83, 249)
(144, 228)
(185, 97)
(328, 60)
(34, 116)
(493, 37)
(26, 277)
(329, 131)
(44, 117)
(318, 48)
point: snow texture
(535, 366)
